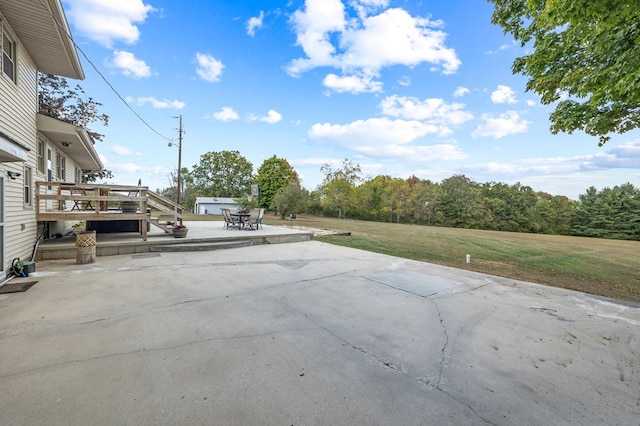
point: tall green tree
(274, 174)
(370, 197)
(338, 186)
(461, 203)
(609, 213)
(423, 202)
(290, 199)
(58, 100)
(584, 55)
(221, 174)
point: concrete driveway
(309, 334)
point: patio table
(242, 218)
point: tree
(338, 186)
(57, 100)
(585, 55)
(370, 198)
(610, 213)
(461, 203)
(423, 202)
(273, 175)
(290, 199)
(221, 174)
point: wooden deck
(58, 201)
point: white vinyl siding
(8, 49)
(18, 121)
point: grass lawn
(608, 268)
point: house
(209, 205)
(34, 147)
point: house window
(8, 48)
(63, 169)
(40, 156)
(58, 170)
(28, 184)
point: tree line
(457, 201)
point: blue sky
(400, 87)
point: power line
(102, 75)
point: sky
(401, 88)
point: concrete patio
(309, 334)
(202, 236)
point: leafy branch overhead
(56, 99)
(585, 58)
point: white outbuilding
(213, 205)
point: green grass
(608, 268)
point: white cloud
(503, 95)
(130, 66)
(108, 21)
(225, 114)
(396, 38)
(460, 91)
(433, 111)
(123, 150)
(405, 81)
(421, 153)
(503, 125)
(625, 156)
(209, 68)
(373, 130)
(352, 84)
(363, 45)
(156, 103)
(272, 117)
(385, 139)
(253, 23)
(366, 7)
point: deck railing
(61, 201)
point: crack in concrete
(390, 364)
(446, 341)
(400, 289)
(443, 361)
(166, 266)
(151, 350)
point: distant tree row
(455, 202)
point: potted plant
(180, 231)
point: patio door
(2, 259)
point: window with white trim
(63, 169)
(40, 156)
(8, 48)
(58, 170)
(28, 185)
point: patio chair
(254, 216)
(260, 216)
(79, 204)
(229, 221)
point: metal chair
(260, 216)
(229, 221)
(253, 219)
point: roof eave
(73, 140)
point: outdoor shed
(213, 205)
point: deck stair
(166, 211)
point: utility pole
(179, 161)
(179, 177)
